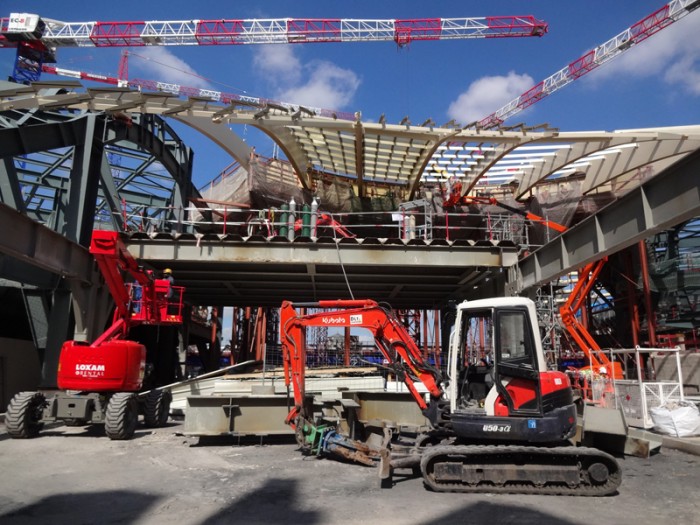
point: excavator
(498, 420)
(98, 382)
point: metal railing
(274, 222)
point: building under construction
(598, 228)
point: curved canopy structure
(401, 154)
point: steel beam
(76, 208)
(321, 253)
(221, 135)
(41, 137)
(9, 186)
(668, 199)
(37, 245)
(17, 273)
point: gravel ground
(78, 476)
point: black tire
(157, 408)
(24, 413)
(121, 416)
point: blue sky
(656, 83)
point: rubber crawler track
(518, 458)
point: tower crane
(36, 38)
(636, 33)
(633, 35)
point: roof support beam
(9, 185)
(360, 157)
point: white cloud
(162, 65)
(317, 84)
(685, 73)
(486, 95)
(327, 86)
(672, 54)
(278, 62)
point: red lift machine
(98, 381)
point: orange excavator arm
(397, 346)
(455, 197)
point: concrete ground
(78, 476)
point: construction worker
(172, 308)
(168, 276)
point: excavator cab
(500, 388)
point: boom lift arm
(578, 332)
(114, 262)
(455, 198)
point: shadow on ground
(277, 501)
(87, 508)
(485, 512)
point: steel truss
(61, 173)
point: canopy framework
(400, 154)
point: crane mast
(638, 32)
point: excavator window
(516, 358)
(513, 338)
(475, 364)
(514, 345)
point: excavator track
(574, 471)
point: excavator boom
(397, 347)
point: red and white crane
(638, 32)
(36, 39)
(186, 91)
(53, 33)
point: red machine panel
(522, 391)
(115, 366)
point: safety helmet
(167, 271)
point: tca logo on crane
(20, 22)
